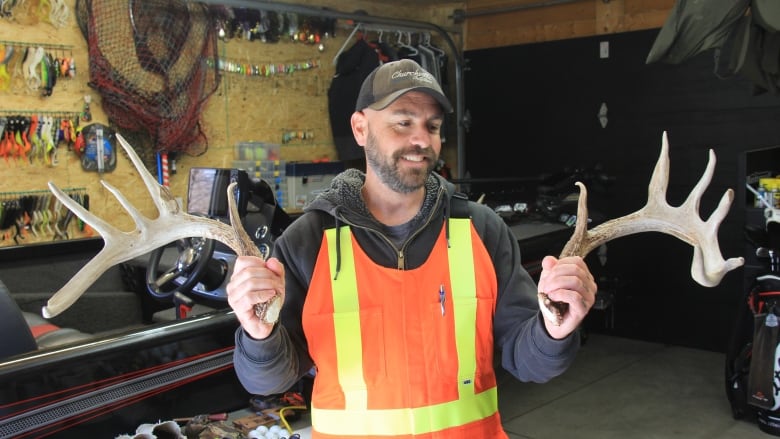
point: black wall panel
(534, 112)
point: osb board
(25, 29)
(557, 21)
(262, 108)
(243, 109)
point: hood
(343, 200)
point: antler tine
(162, 197)
(684, 222)
(708, 266)
(693, 201)
(659, 181)
(96, 223)
(244, 244)
(579, 244)
(134, 213)
(266, 311)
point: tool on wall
(34, 216)
(86, 112)
(34, 137)
(6, 53)
(54, 12)
(163, 169)
(38, 66)
(96, 145)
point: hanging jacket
(276, 363)
(352, 67)
(694, 27)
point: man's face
(404, 142)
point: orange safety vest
(394, 359)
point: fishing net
(152, 61)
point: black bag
(750, 357)
(761, 390)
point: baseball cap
(392, 79)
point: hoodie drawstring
(338, 249)
(447, 225)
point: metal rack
(47, 46)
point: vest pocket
(462, 347)
(360, 343)
(439, 344)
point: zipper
(401, 252)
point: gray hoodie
(276, 363)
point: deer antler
(708, 266)
(149, 234)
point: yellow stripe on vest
(464, 298)
(405, 421)
(346, 321)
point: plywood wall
(243, 108)
(29, 27)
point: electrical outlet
(604, 49)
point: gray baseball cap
(391, 80)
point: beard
(386, 168)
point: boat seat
(47, 334)
(25, 331)
(17, 338)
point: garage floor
(623, 388)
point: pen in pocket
(442, 298)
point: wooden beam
(492, 23)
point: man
(397, 291)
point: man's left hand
(567, 280)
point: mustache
(428, 153)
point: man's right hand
(254, 281)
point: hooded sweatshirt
(274, 364)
